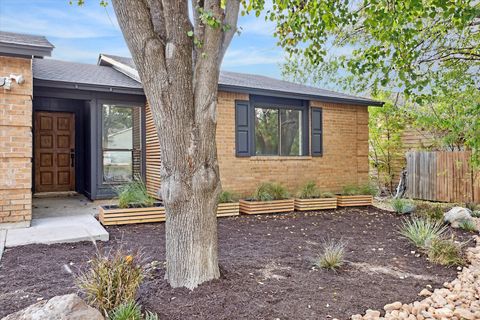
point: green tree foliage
(428, 50)
(453, 114)
(386, 126)
(408, 44)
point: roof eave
(85, 87)
(25, 50)
(288, 94)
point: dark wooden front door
(54, 151)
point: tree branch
(231, 18)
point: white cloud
(257, 26)
(68, 22)
(251, 57)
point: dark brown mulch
(266, 266)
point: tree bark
(180, 82)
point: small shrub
(429, 211)
(369, 188)
(402, 206)
(350, 190)
(126, 311)
(309, 191)
(112, 280)
(476, 214)
(151, 316)
(226, 197)
(446, 252)
(333, 255)
(271, 191)
(421, 232)
(327, 194)
(355, 190)
(472, 206)
(467, 225)
(134, 192)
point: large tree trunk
(180, 83)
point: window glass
(278, 131)
(117, 166)
(266, 131)
(121, 141)
(290, 132)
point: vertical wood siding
(152, 152)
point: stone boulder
(67, 307)
(457, 215)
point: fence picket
(442, 176)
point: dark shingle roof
(81, 73)
(24, 44)
(266, 85)
(124, 60)
(243, 80)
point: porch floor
(62, 219)
(65, 205)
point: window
(278, 131)
(121, 143)
(275, 126)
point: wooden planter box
(260, 207)
(315, 204)
(228, 209)
(354, 201)
(113, 215)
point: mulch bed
(266, 264)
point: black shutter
(317, 132)
(242, 129)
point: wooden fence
(442, 176)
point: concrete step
(75, 228)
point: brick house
(85, 128)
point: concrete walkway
(73, 228)
(69, 218)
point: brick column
(16, 145)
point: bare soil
(267, 264)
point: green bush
(421, 232)
(467, 225)
(402, 206)
(134, 192)
(327, 194)
(309, 191)
(476, 214)
(472, 206)
(333, 255)
(429, 211)
(126, 311)
(446, 252)
(131, 311)
(355, 190)
(226, 197)
(271, 191)
(111, 280)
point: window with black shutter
(317, 132)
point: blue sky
(81, 33)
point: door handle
(72, 158)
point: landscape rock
(456, 215)
(66, 307)
(457, 300)
(425, 293)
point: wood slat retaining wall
(442, 176)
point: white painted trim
(123, 68)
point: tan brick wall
(16, 144)
(344, 160)
(345, 148)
